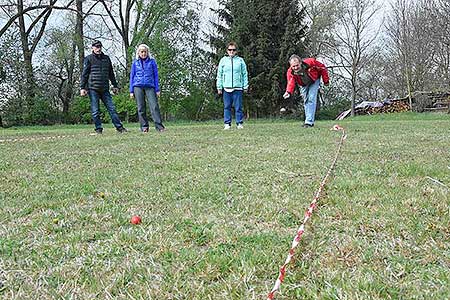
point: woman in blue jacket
(232, 81)
(144, 83)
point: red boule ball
(135, 220)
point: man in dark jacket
(97, 72)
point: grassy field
(219, 211)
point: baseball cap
(96, 43)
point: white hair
(142, 46)
(294, 56)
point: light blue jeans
(309, 94)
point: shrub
(44, 113)
(125, 106)
(330, 112)
(80, 111)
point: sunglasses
(231, 49)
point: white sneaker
(227, 127)
(240, 126)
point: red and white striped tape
(43, 138)
(40, 138)
(308, 214)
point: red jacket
(316, 70)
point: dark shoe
(307, 125)
(121, 130)
(161, 129)
(99, 130)
(145, 130)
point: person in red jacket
(307, 74)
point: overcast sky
(385, 4)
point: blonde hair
(142, 46)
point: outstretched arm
(290, 87)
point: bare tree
(59, 68)
(135, 21)
(79, 32)
(353, 41)
(29, 37)
(439, 12)
(15, 10)
(444, 21)
(418, 45)
(323, 15)
(12, 85)
(31, 19)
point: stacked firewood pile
(431, 101)
(388, 106)
(376, 107)
(421, 101)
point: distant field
(219, 211)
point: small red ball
(135, 220)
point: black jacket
(97, 72)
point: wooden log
(436, 109)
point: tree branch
(13, 18)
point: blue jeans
(106, 98)
(141, 94)
(233, 99)
(309, 94)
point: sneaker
(240, 126)
(144, 130)
(227, 127)
(121, 130)
(99, 130)
(306, 125)
(161, 130)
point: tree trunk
(70, 82)
(27, 58)
(67, 96)
(79, 35)
(29, 40)
(30, 89)
(353, 93)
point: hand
(131, 95)
(219, 92)
(326, 83)
(158, 94)
(115, 90)
(286, 95)
(83, 92)
(246, 91)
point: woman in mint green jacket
(232, 81)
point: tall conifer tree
(267, 33)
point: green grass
(220, 209)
